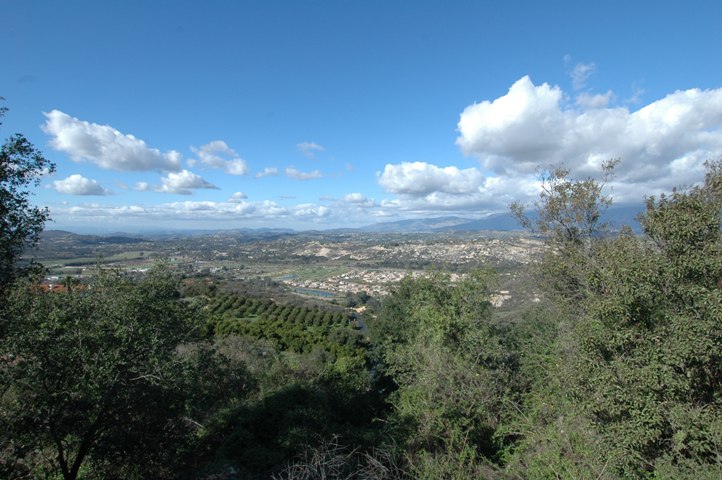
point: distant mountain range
(62, 235)
(249, 234)
(444, 224)
(618, 216)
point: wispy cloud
(581, 73)
(589, 100)
(218, 154)
(267, 172)
(309, 149)
(292, 172)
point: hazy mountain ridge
(505, 222)
(65, 236)
(616, 216)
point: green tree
(568, 211)
(92, 375)
(640, 354)
(652, 337)
(440, 347)
(569, 214)
(21, 166)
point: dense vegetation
(21, 166)
(614, 373)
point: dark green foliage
(265, 434)
(215, 381)
(294, 328)
(614, 373)
(298, 403)
(312, 382)
(331, 459)
(634, 389)
(440, 347)
(21, 166)
(652, 338)
(356, 299)
(92, 375)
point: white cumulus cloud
(420, 178)
(182, 183)
(105, 146)
(529, 127)
(435, 193)
(360, 200)
(514, 131)
(237, 197)
(79, 185)
(311, 210)
(218, 154)
(427, 189)
(355, 197)
(143, 187)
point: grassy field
(314, 273)
(131, 256)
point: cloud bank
(419, 178)
(209, 213)
(661, 145)
(424, 189)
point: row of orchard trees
(230, 306)
(293, 328)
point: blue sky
(322, 114)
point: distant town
(325, 265)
